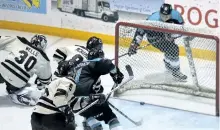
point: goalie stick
(137, 123)
(131, 76)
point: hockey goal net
(154, 83)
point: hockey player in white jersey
(23, 60)
(53, 111)
(64, 53)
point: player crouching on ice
(162, 41)
(23, 60)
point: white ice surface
(14, 117)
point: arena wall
(51, 21)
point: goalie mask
(165, 12)
(94, 42)
(39, 41)
(95, 53)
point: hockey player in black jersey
(88, 82)
(53, 112)
(165, 42)
(22, 61)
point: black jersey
(88, 76)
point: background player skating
(23, 60)
(165, 42)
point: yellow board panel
(83, 35)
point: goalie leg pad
(24, 96)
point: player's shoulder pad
(175, 15)
(153, 16)
(25, 41)
(82, 47)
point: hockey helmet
(95, 53)
(39, 41)
(94, 42)
(165, 12)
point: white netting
(148, 65)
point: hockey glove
(100, 97)
(97, 89)
(62, 69)
(118, 76)
(132, 49)
(40, 86)
(68, 112)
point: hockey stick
(128, 52)
(113, 90)
(137, 123)
(131, 76)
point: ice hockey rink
(14, 117)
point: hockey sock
(92, 124)
(114, 124)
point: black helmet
(94, 42)
(95, 53)
(166, 9)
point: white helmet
(39, 41)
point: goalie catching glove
(133, 49)
(116, 75)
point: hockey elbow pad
(117, 76)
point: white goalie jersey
(22, 61)
(64, 53)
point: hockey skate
(179, 76)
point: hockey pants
(100, 112)
(171, 54)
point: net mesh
(156, 65)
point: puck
(142, 103)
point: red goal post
(199, 59)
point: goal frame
(146, 27)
